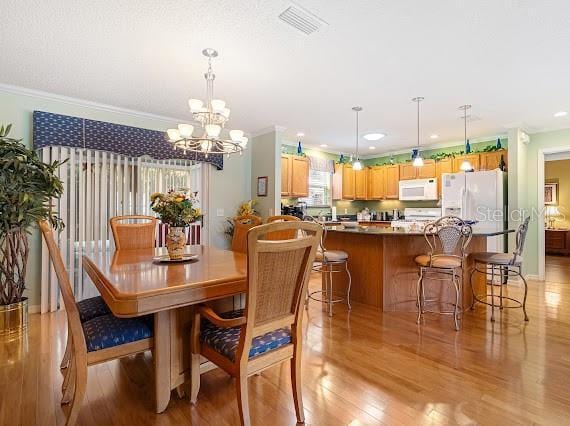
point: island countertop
(478, 231)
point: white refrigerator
(479, 197)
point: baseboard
(34, 309)
(533, 277)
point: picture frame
(550, 193)
(262, 185)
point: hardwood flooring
(359, 368)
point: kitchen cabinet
(491, 160)
(360, 184)
(392, 182)
(285, 176)
(474, 159)
(348, 187)
(294, 176)
(408, 171)
(337, 182)
(441, 167)
(377, 183)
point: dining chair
(242, 224)
(447, 238)
(98, 340)
(268, 331)
(133, 235)
(284, 235)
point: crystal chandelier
(212, 116)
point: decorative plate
(186, 257)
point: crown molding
(269, 129)
(22, 91)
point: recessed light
(434, 136)
(300, 134)
(371, 147)
(561, 114)
(374, 136)
(323, 145)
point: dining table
(141, 282)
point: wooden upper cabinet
(474, 159)
(376, 183)
(491, 160)
(441, 167)
(285, 175)
(427, 171)
(299, 176)
(392, 182)
(348, 184)
(407, 171)
(360, 184)
(337, 182)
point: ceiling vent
(471, 118)
(301, 19)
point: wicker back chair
(284, 235)
(268, 331)
(83, 346)
(138, 233)
(242, 224)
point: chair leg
(65, 361)
(349, 286)
(68, 384)
(456, 307)
(525, 294)
(474, 296)
(419, 295)
(194, 378)
(501, 288)
(242, 399)
(79, 394)
(297, 386)
(492, 293)
(330, 293)
(67, 377)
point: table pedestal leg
(162, 359)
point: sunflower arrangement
(176, 208)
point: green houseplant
(27, 185)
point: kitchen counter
(384, 274)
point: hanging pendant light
(417, 156)
(357, 164)
(465, 164)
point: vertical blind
(97, 186)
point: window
(320, 189)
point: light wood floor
(362, 368)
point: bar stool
(447, 239)
(509, 265)
(329, 262)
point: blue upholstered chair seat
(92, 308)
(108, 331)
(225, 340)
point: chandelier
(212, 116)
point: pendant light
(465, 164)
(357, 165)
(418, 160)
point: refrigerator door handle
(463, 195)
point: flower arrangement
(176, 208)
(247, 208)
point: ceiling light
(465, 164)
(418, 161)
(434, 136)
(323, 145)
(371, 147)
(357, 165)
(300, 134)
(561, 114)
(374, 136)
(416, 155)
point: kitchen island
(384, 274)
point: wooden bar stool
(447, 239)
(508, 265)
(329, 262)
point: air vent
(301, 19)
(471, 118)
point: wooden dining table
(133, 284)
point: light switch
(220, 212)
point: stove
(417, 218)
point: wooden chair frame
(140, 235)
(242, 224)
(250, 326)
(284, 235)
(75, 380)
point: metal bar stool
(508, 265)
(329, 262)
(447, 239)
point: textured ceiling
(509, 58)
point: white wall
(266, 161)
(228, 188)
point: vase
(175, 242)
(14, 318)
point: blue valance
(63, 130)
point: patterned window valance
(63, 130)
(321, 164)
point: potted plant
(176, 209)
(27, 185)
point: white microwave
(418, 189)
